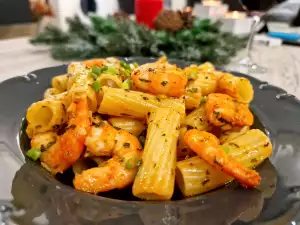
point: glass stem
(256, 20)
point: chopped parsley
(34, 154)
(203, 100)
(125, 65)
(96, 86)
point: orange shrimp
(206, 146)
(69, 147)
(100, 140)
(116, 173)
(94, 62)
(160, 79)
(222, 109)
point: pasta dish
(150, 127)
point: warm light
(211, 2)
(235, 15)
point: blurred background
(17, 18)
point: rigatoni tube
(156, 177)
(119, 102)
(194, 176)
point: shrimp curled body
(69, 147)
(119, 171)
(222, 109)
(160, 79)
(206, 145)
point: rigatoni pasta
(46, 115)
(194, 176)
(118, 102)
(207, 82)
(60, 82)
(133, 126)
(197, 119)
(229, 135)
(50, 92)
(156, 176)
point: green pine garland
(110, 37)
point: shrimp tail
(207, 147)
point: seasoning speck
(164, 83)
(126, 145)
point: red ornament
(147, 10)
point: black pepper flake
(205, 182)
(144, 80)
(43, 148)
(50, 144)
(126, 145)
(190, 79)
(158, 99)
(121, 160)
(207, 172)
(151, 70)
(234, 144)
(194, 90)
(267, 144)
(254, 160)
(163, 134)
(145, 98)
(164, 83)
(206, 77)
(154, 165)
(117, 128)
(100, 124)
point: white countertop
(18, 57)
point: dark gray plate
(38, 198)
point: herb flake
(96, 86)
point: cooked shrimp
(68, 147)
(160, 79)
(206, 145)
(116, 173)
(94, 62)
(222, 109)
(100, 140)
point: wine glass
(258, 20)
